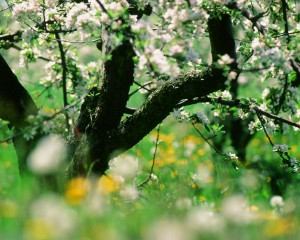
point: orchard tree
(249, 83)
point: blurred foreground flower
(167, 229)
(124, 167)
(50, 218)
(129, 193)
(108, 184)
(77, 189)
(48, 156)
(236, 209)
(204, 219)
(276, 202)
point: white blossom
(225, 60)
(204, 119)
(257, 44)
(252, 127)
(242, 114)
(280, 148)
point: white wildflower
(48, 156)
(276, 201)
(203, 175)
(204, 219)
(52, 211)
(167, 229)
(124, 166)
(129, 193)
(235, 209)
(183, 203)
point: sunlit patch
(201, 152)
(77, 189)
(282, 226)
(39, 229)
(8, 209)
(8, 164)
(294, 148)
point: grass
(190, 196)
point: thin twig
(286, 31)
(153, 159)
(206, 140)
(73, 104)
(264, 128)
(141, 87)
(286, 159)
(103, 8)
(286, 23)
(64, 78)
(237, 103)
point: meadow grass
(192, 194)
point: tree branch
(248, 14)
(64, 77)
(108, 136)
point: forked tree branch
(162, 101)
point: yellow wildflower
(77, 189)
(108, 184)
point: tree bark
(16, 105)
(161, 102)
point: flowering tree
(153, 48)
